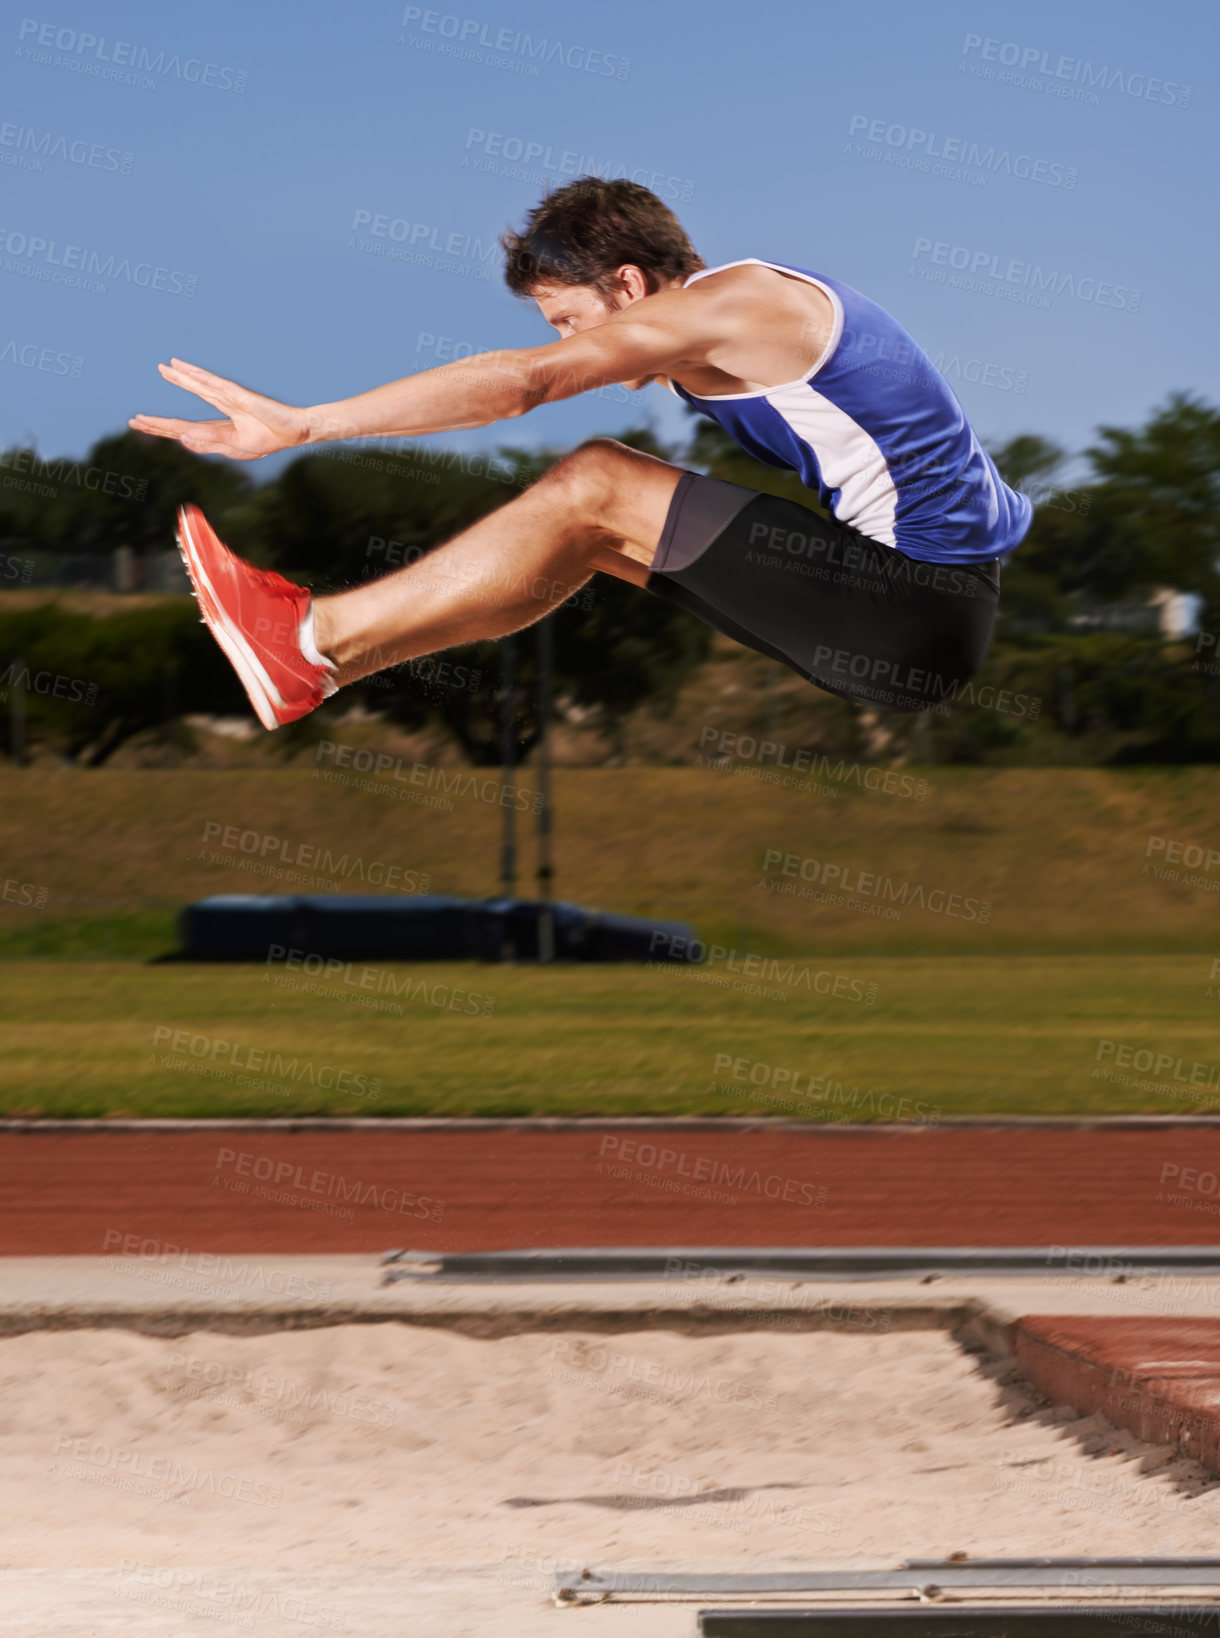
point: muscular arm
(652, 337)
(717, 324)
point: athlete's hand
(253, 426)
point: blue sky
(1029, 189)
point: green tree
(125, 492)
(1149, 516)
(90, 683)
(615, 646)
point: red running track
(88, 1193)
(1159, 1378)
(80, 1194)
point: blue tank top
(875, 432)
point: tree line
(1144, 515)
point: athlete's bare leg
(601, 508)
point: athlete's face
(570, 308)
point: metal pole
(546, 872)
(921, 737)
(508, 734)
(17, 715)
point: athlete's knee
(603, 454)
(591, 472)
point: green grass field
(953, 1034)
(1081, 944)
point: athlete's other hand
(253, 426)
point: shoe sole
(262, 693)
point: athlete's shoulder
(747, 272)
(753, 287)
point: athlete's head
(593, 247)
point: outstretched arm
(642, 341)
(252, 425)
(649, 338)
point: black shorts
(861, 620)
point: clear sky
(1029, 188)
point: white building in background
(1167, 612)
(1178, 612)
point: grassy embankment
(1080, 946)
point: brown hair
(583, 232)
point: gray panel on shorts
(701, 509)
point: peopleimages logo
(1031, 61)
(911, 139)
(981, 372)
(680, 951)
(78, 267)
(20, 569)
(402, 231)
(469, 38)
(210, 1050)
(332, 1185)
(60, 471)
(52, 685)
(314, 857)
(708, 1169)
(120, 60)
(729, 744)
(504, 153)
(30, 356)
(218, 1595)
(1190, 854)
(983, 265)
(795, 1084)
(37, 145)
(28, 894)
(1143, 1059)
(845, 879)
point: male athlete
(890, 602)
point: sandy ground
(344, 1457)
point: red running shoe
(255, 615)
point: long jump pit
(290, 1444)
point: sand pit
(382, 1444)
